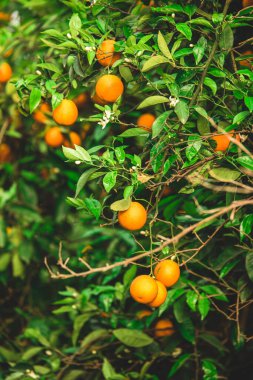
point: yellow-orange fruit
(5, 153)
(134, 218)
(247, 3)
(161, 295)
(168, 272)
(223, 142)
(40, 115)
(5, 16)
(247, 62)
(96, 99)
(109, 88)
(81, 99)
(5, 72)
(105, 53)
(164, 327)
(143, 314)
(146, 121)
(54, 137)
(143, 289)
(74, 138)
(66, 113)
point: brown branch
(131, 260)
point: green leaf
(35, 98)
(178, 364)
(128, 191)
(77, 154)
(215, 292)
(126, 73)
(129, 275)
(93, 337)
(9, 355)
(134, 132)
(109, 181)
(246, 226)
(154, 61)
(30, 353)
(245, 161)
(132, 338)
(227, 38)
(5, 259)
(121, 205)
(187, 330)
(152, 101)
(182, 111)
(249, 264)
(83, 180)
(163, 46)
(203, 305)
(159, 123)
(199, 49)
(194, 145)
(209, 369)
(248, 100)
(93, 206)
(211, 84)
(75, 25)
(120, 154)
(109, 372)
(224, 174)
(240, 117)
(17, 266)
(78, 324)
(192, 299)
(185, 30)
(74, 374)
(50, 67)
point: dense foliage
(188, 66)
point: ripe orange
(247, 3)
(40, 115)
(5, 153)
(54, 137)
(66, 113)
(164, 327)
(134, 217)
(74, 140)
(166, 191)
(151, 4)
(146, 121)
(247, 62)
(81, 99)
(5, 72)
(161, 295)
(223, 141)
(96, 99)
(5, 16)
(105, 53)
(109, 88)
(143, 314)
(8, 53)
(143, 289)
(168, 272)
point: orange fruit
(247, 62)
(161, 295)
(81, 99)
(151, 4)
(54, 137)
(146, 121)
(143, 289)
(109, 88)
(8, 53)
(168, 272)
(143, 314)
(164, 327)
(96, 99)
(105, 53)
(39, 115)
(66, 113)
(134, 217)
(5, 72)
(222, 141)
(247, 3)
(166, 191)
(5, 16)
(74, 140)
(5, 153)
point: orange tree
(160, 95)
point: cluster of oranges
(65, 114)
(152, 291)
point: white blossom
(78, 162)
(173, 101)
(15, 19)
(69, 36)
(88, 48)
